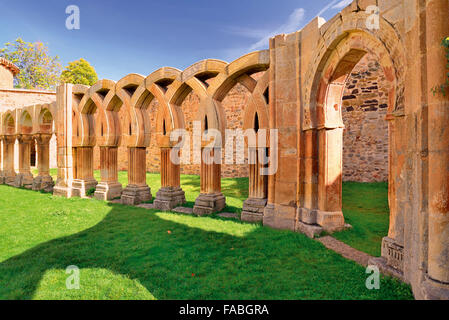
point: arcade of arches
(309, 86)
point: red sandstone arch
(98, 125)
(341, 49)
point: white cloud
(342, 4)
(293, 23)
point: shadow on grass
(185, 257)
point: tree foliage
(38, 70)
(79, 72)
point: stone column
(24, 178)
(109, 188)
(254, 206)
(329, 213)
(170, 194)
(9, 173)
(437, 24)
(137, 190)
(43, 181)
(307, 212)
(84, 180)
(210, 199)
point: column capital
(25, 138)
(8, 138)
(42, 138)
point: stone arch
(45, 118)
(132, 130)
(343, 44)
(25, 124)
(98, 125)
(339, 37)
(78, 126)
(9, 123)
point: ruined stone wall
(233, 104)
(365, 139)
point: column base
(168, 198)
(252, 210)
(307, 223)
(393, 253)
(330, 221)
(108, 190)
(80, 188)
(24, 180)
(207, 203)
(386, 269)
(133, 195)
(279, 217)
(43, 183)
(434, 290)
(62, 191)
(2, 178)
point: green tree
(38, 70)
(79, 72)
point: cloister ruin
(298, 90)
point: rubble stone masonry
(365, 139)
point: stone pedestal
(252, 210)
(208, 203)
(168, 198)
(43, 183)
(330, 221)
(134, 194)
(137, 190)
(81, 188)
(83, 172)
(109, 188)
(210, 199)
(170, 195)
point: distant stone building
(11, 98)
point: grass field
(133, 253)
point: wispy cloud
(342, 4)
(294, 23)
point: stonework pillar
(329, 214)
(9, 173)
(254, 206)
(109, 188)
(137, 190)
(308, 204)
(84, 180)
(210, 199)
(170, 194)
(437, 24)
(43, 181)
(25, 177)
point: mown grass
(132, 253)
(365, 207)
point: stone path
(228, 215)
(346, 251)
(184, 210)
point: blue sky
(121, 37)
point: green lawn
(365, 207)
(132, 253)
